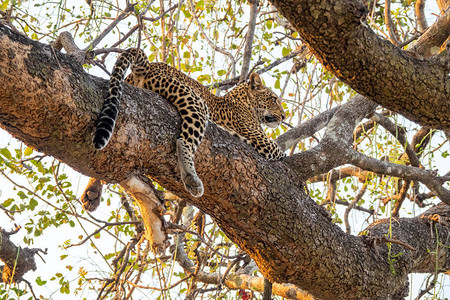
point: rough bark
(337, 34)
(17, 261)
(50, 103)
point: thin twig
(428, 288)
(353, 205)
(100, 229)
(233, 81)
(180, 229)
(31, 288)
(120, 17)
(161, 15)
(215, 47)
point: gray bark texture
(17, 261)
(337, 34)
(51, 104)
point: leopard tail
(108, 115)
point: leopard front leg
(265, 146)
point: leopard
(241, 111)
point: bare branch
(162, 14)
(151, 211)
(432, 39)
(65, 41)
(218, 49)
(400, 171)
(389, 24)
(237, 281)
(352, 205)
(233, 81)
(345, 203)
(249, 39)
(420, 15)
(120, 17)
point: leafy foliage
(107, 252)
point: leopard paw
(92, 195)
(193, 184)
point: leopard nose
(270, 119)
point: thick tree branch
(430, 42)
(17, 261)
(51, 104)
(151, 209)
(401, 171)
(336, 33)
(305, 129)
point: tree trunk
(337, 34)
(50, 103)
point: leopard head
(267, 103)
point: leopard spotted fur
(241, 111)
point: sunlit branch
(389, 24)
(236, 281)
(431, 40)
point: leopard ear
(256, 82)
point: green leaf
(285, 51)
(204, 78)
(277, 84)
(28, 151)
(4, 4)
(33, 203)
(22, 195)
(6, 153)
(187, 14)
(8, 202)
(40, 282)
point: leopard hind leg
(193, 127)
